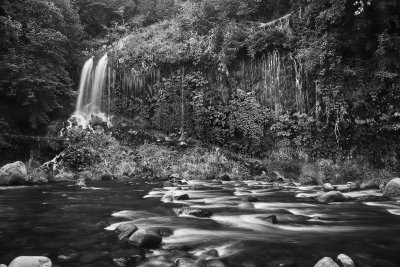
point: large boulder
(345, 261)
(125, 229)
(13, 174)
(326, 262)
(31, 261)
(146, 238)
(193, 212)
(332, 196)
(392, 189)
(327, 187)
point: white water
(91, 87)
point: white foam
(250, 221)
(394, 211)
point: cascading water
(91, 87)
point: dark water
(59, 220)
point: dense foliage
(305, 79)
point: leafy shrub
(86, 148)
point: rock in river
(13, 174)
(182, 197)
(345, 260)
(193, 212)
(327, 187)
(326, 262)
(225, 178)
(332, 196)
(146, 238)
(31, 261)
(392, 189)
(125, 229)
(183, 262)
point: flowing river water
(59, 221)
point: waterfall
(98, 86)
(91, 87)
(83, 85)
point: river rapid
(59, 221)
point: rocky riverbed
(199, 223)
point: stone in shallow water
(193, 212)
(392, 189)
(327, 187)
(146, 238)
(31, 261)
(182, 197)
(185, 263)
(332, 196)
(125, 229)
(326, 262)
(162, 231)
(345, 260)
(225, 177)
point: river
(59, 221)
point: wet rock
(225, 177)
(252, 199)
(345, 261)
(392, 189)
(193, 212)
(271, 219)
(128, 261)
(327, 187)
(326, 262)
(182, 262)
(31, 261)
(3, 265)
(162, 231)
(350, 186)
(13, 174)
(332, 196)
(102, 224)
(212, 253)
(146, 238)
(125, 229)
(182, 197)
